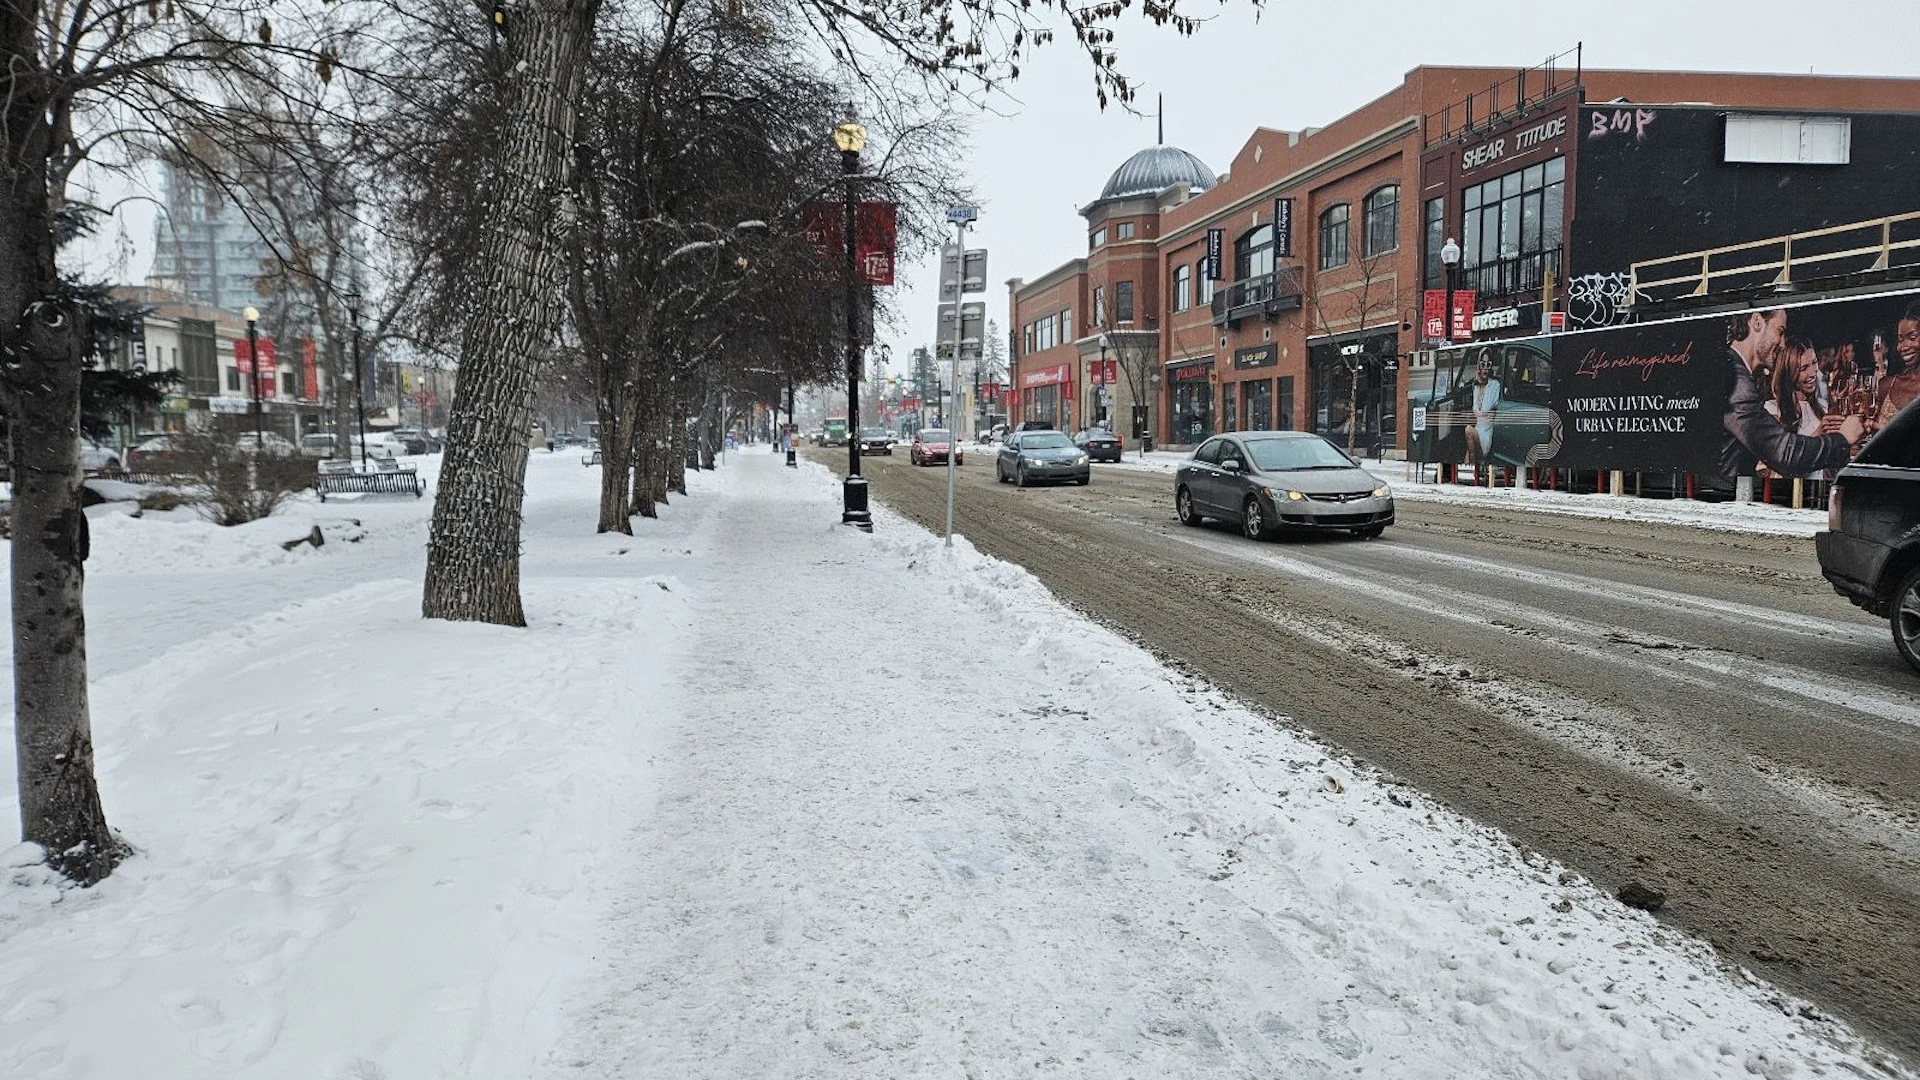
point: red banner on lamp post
(876, 226)
(243, 362)
(1433, 321)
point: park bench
(386, 477)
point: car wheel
(1083, 481)
(1020, 476)
(1183, 506)
(1906, 618)
(1252, 522)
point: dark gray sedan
(1273, 480)
(1032, 457)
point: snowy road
(1693, 710)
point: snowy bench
(387, 477)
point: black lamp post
(793, 427)
(1450, 258)
(359, 373)
(252, 315)
(851, 138)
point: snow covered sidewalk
(760, 796)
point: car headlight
(1383, 492)
(1037, 462)
(1294, 496)
(1081, 460)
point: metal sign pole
(960, 216)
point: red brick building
(1314, 324)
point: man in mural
(1756, 344)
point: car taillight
(1833, 508)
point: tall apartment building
(203, 245)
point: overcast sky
(1308, 62)
(1303, 63)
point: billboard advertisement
(1786, 391)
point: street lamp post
(793, 427)
(851, 138)
(1449, 258)
(252, 315)
(359, 390)
(1104, 343)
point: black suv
(1871, 551)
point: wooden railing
(1877, 244)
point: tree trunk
(346, 419)
(473, 555)
(616, 453)
(44, 337)
(641, 438)
(677, 449)
(1353, 402)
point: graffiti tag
(1621, 121)
(1598, 300)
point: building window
(1182, 287)
(1333, 237)
(1509, 226)
(1436, 233)
(1123, 302)
(1382, 221)
(288, 386)
(1099, 237)
(1028, 340)
(1123, 231)
(1206, 283)
(233, 378)
(1789, 140)
(1283, 406)
(1066, 325)
(1253, 253)
(1099, 306)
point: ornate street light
(851, 139)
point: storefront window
(1192, 403)
(1353, 392)
(1229, 410)
(1382, 221)
(1436, 216)
(1512, 226)
(1333, 237)
(1253, 253)
(1258, 395)
(1283, 409)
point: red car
(930, 448)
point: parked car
(318, 444)
(1099, 443)
(97, 460)
(930, 448)
(156, 453)
(269, 443)
(876, 440)
(1030, 457)
(382, 444)
(1871, 549)
(430, 444)
(1273, 480)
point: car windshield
(935, 435)
(1052, 440)
(1287, 455)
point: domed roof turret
(1153, 170)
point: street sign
(962, 213)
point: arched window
(1382, 230)
(1333, 236)
(1253, 253)
(1206, 283)
(1182, 287)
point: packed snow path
(760, 796)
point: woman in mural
(1902, 382)
(1486, 408)
(1796, 387)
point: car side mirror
(1231, 465)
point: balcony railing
(1266, 295)
(1504, 99)
(1510, 277)
(1880, 244)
